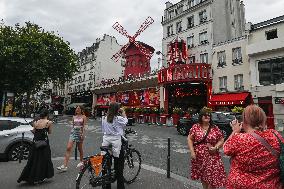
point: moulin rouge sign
(185, 72)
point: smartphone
(239, 118)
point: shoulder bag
(204, 138)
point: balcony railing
(237, 61)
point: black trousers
(118, 167)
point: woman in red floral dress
(253, 166)
(206, 163)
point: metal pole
(169, 159)
(21, 148)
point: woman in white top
(112, 127)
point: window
(271, 71)
(190, 42)
(190, 22)
(202, 17)
(204, 58)
(223, 83)
(178, 27)
(8, 125)
(272, 34)
(238, 82)
(203, 38)
(170, 30)
(191, 2)
(221, 56)
(191, 59)
(237, 55)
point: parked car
(221, 119)
(11, 129)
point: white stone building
(266, 57)
(94, 64)
(202, 23)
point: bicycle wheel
(86, 177)
(132, 166)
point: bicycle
(100, 172)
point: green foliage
(155, 110)
(237, 109)
(137, 110)
(31, 57)
(177, 110)
(128, 110)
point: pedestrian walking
(204, 142)
(112, 127)
(39, 165)
(253, 164)
(77, 136)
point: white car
(11, 141)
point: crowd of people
(253, 149)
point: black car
(221, 119)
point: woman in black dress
(39, 166)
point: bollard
(76, 150)
(21, 148)
(169, 159)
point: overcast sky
(82, 21)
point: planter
(176, 118)
(153, 118)
(163, 119)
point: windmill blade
(143, 50)
(120, 53)
(143, 26)
(121, 29)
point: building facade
(230, 74)
(266, 57)
(200, 23)
(94, 65)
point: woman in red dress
(252, 164)
(206, 163)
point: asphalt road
(151, 141)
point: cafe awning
(229, 99)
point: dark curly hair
(44, 113)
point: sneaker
(62, 168)
(80, 164)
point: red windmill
(142, 49)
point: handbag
(40, 144)
(203, 139)
(274, 152)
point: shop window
(271, 72)
(272, 34)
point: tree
(31, 57)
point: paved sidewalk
(149, 178)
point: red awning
(228, 99)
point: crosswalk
(156, 142)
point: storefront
(185, 86)
(227, 101)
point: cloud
(81, 22)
